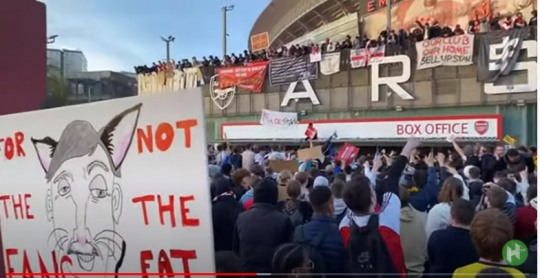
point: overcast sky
(118, 34)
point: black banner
(284, 71)
(499, 53)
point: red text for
(163, 261)
(12, 146)
(170, 206)
(429, 129)
(16, 206)
(57, 271)
(162, 136)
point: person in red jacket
(311, 133)
(360, 198)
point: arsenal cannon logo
(222, 98)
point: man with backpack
(372, 238)
(321, 237)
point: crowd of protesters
(408, 213)
(398, 42)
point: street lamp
(225, 9)
(168, 41)
(51, 39)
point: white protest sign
(107, 188)
(330, 63)
(278, 119)
(451, 51)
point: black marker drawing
(84, 202)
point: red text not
(162, 136)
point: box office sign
(486, 127)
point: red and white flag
(347, 153)
(367, 56)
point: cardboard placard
(89, 198)
(310, 153)
(509, 140)
(281, 165)
(260, 41)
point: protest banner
(347, 153)
(366, 56)
(278, 119)
(283, 165)
(250, 77)
(88, 202)
(259, 42)
(310, 153)
(451, 51)
(330, 63)
(284, 71)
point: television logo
(515, 252)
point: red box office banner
(250, 77)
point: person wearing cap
(321, 181)
(261, 229)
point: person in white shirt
(259, 156)
(248, 157)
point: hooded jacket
(261, 229)
(414, 240)
(427, 196)
(225, 211)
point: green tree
(58, 89)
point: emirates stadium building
(400, 95)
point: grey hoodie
(414, 240)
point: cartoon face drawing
(84, 200)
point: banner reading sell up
(451, 51)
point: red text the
(16, 206)
(170, 207)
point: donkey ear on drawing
(117, 135)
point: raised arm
(391, 183)
(428, 194)
(457, 148)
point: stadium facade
(349, 96)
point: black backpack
(367, 251)
(311, 247)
